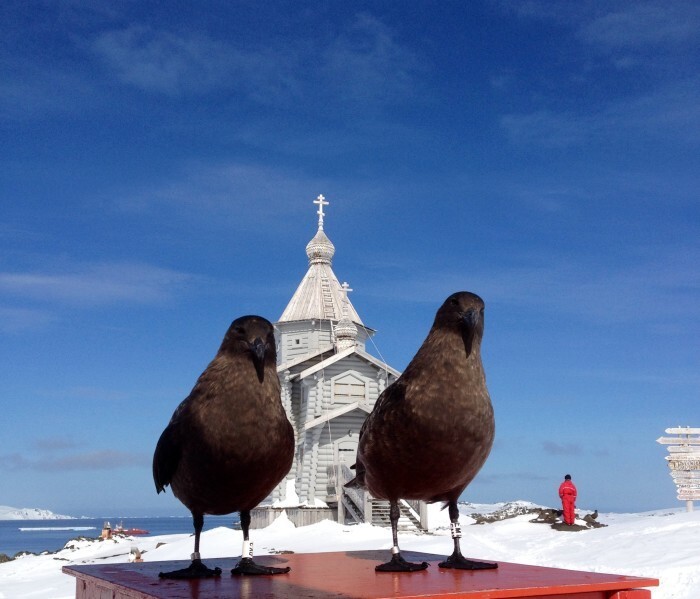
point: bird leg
(457, 560)
(398, 563)
(247, 566)
(196, 569)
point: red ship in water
(120, 530)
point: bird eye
(454, 301)
(239, 330)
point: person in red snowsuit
(567, 492)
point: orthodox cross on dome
(346, 290)
(320, 200)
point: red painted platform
(351, 574)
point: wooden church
(329, 385)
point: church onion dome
(345, 333)
(320, 249)
(320, 296)
(345, 330)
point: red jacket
(568, 489)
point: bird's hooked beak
(259, 349)
(470, 320)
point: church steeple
(329, 382)
(319, 295)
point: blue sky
(159, 162)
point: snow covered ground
(662, 544)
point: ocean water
(51, 535)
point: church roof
(340, 356)
(320, 295)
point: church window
(348, 389)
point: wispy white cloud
(94, 284)
(611, 26)
(367, 63)
(106, 459)
(668, 378)
(363, 63)
(55, 444)
(652, 41)
(489, 479)
(671, 112)
(605, 294)
(568, 449)
(20, 319)
(80, 393)
(644, 24)
(596, 292)
(230, 191)
(550, 129)
(161, 61)
(31, 91)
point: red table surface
(351, 574)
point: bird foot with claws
(195, 570)
(459, 562)
(399, 564)
(247, 567)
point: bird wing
(392, 395)
(166, 458)
(168, 451)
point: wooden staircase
(360, 506)
(409, 520)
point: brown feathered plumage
(431, 431)
(229, 443)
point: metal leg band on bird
(457, 560)
(398, 563)
(247, 567)
(247, 550)
(196, 569)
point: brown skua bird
(229, 443)
(431, 431)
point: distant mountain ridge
(29, 513)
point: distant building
(330, 384)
